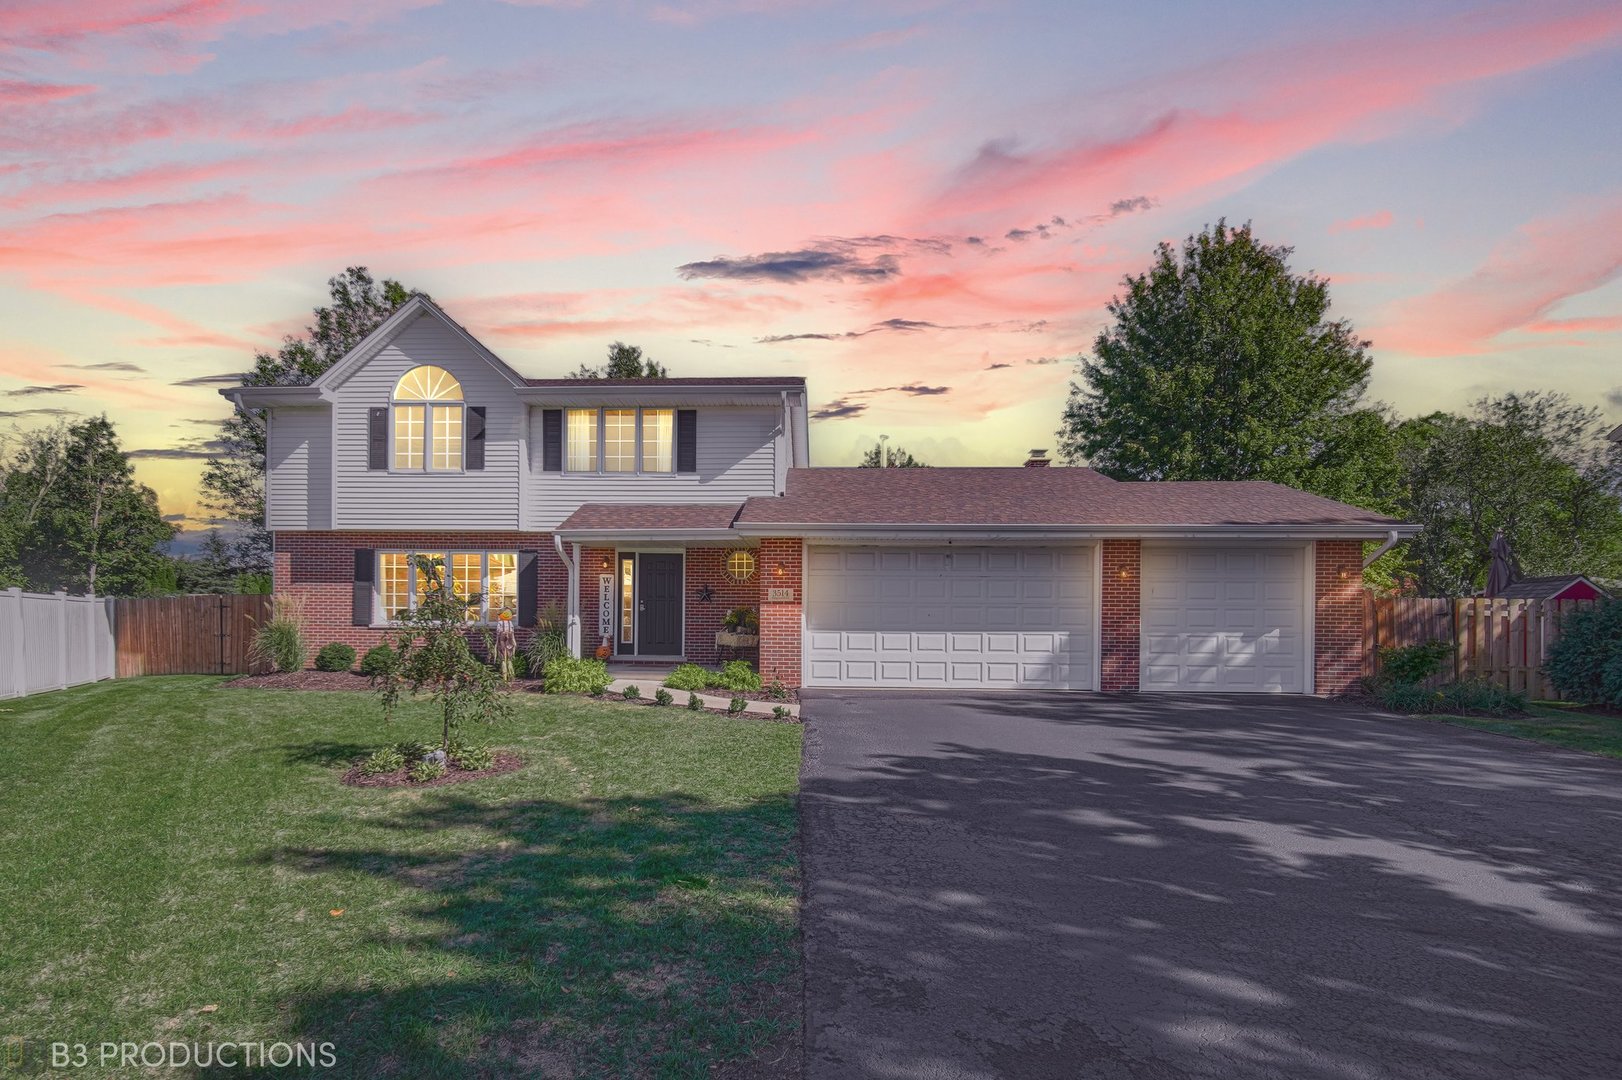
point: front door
(658, 605)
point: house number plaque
(776, 595)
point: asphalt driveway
(1038, 886)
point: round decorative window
(740, 565)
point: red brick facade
(1119, 610)
(319, 566)
(1337, 624)
(782, 567)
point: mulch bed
(302, 680)
(505, 763)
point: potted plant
(740, 629)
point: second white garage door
(1224, 618)
(997, 618)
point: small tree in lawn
(433, 657)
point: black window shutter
(377, 438)
(475, 437)
(551, 440)
(364, 563)
(528, 586)
(687, 440)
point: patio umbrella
(1501, 573)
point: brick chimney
(1038, 460)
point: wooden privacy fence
(50, 641)
(187, 635)
(1501, 641)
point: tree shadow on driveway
(1068, 885)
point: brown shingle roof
(735, 380)
(1543, 588)
(1019, 496)
(652, 516)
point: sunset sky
(921, 206)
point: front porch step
(649, 684)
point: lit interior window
(503, 582)
(619, 440)
(425, 581)
(408, 436)
(582, 440)
(658, 436)
(740, 565)
(393, 578)
(447, 437)
(428, 383)
(467, 574)
(627, 597)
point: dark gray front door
(658, 604)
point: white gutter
(898, 531)
(1391, 540)
(572, 622)
(621, 536)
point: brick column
(1120, 615)
(1337, 624)
(780, 567)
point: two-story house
(643, 510)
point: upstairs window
(428, 421)
(620, 440)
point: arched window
(428, 420)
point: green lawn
(1556, 723)
(626, 905)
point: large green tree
(624, 362)
(1534, 465)
(234, 480)
(73, 517)
(1223, 364)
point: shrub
(378, 661)
(425, 770)
(1585, 662)
(335, 657)
(735, 675)
(520, 666)
(776, 690)
(471, 758)
(1403, 697)
(737, 705)
(662, 696)
(1464, 696)
(688, 677)
(413, 751)
(742, 620)
(568, 675)
(632, 693)
(280, 642)
(780, 712)
(1412, 664)
(694, 702)
(547, 645)
(387, 760)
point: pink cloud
(167, 179)
(14, 92)
(1596, 324)
(1380, 219)
(1545, 262)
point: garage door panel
(1223, 619)
(991, 617)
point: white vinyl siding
(485, 498)
(298, 477)
(736, 459)
(959, 617)
(1226, 618)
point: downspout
(1391, 540)
(572, 623)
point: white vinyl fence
(49, 641)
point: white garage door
(950, 617)
(1224, 618)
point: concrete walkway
(1064, 885)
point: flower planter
(728, 640)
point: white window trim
(411, 581)
(428, 408)
(599, 454)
